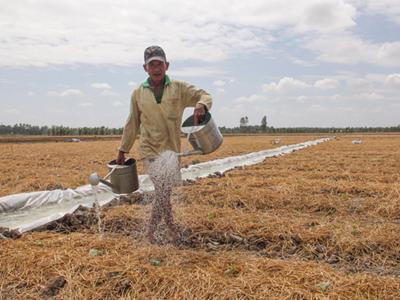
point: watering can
(123, 178)
(204, 138)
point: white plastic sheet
(28, 211)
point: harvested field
(320, 223)
(54, 139)
(28, 167)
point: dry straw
(321, 223)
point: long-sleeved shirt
(159, 123)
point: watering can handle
(109, 173)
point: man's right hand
(121, 158)
(199, 112)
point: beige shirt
(159, 124)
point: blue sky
(300, 63)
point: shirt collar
(167, 81)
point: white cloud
(12, 111)
(96, 32)
(316, 108)
(344, 49)
(132, 83)
(109, 93)
(117, 103)
(71, 93)
(52, 93)
(359, 83)
(254, 112)
(66, 93)
(300, 62)
(393, 80)
(377, 78)
(327, 16)
(327, 84)
(113, 34)
(336, 97)
(106, 89)
(101, 85)
(370, 96)
(30, 93)
(301, 99)
(390, 8)
(347, 48)
(249, 99)
(221, 90)
(285, 85)
(86, 104)
(389, 54)
(357, 98)
(219, 83)
(197, 72)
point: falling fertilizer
(94, 180)
(165, 174)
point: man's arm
(198, 98)
(130, 130)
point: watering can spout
(95, 179)
(107, 183)
(123, 178)
(191, 152)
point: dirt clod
(6, 233)
(54, 287)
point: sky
(300, 63)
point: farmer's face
(156, 70)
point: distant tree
(243, 124)
(244, 121)
(264, 124)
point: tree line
(254, 129)
(27, 129)
(264, 128)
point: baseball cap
(154, 53)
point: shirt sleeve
(193, 95)
(131, 128)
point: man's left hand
(199, 112)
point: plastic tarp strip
(28, 211)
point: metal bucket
(124, 178)
(205, 137)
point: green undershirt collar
(158, 98)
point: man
(156, 112)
